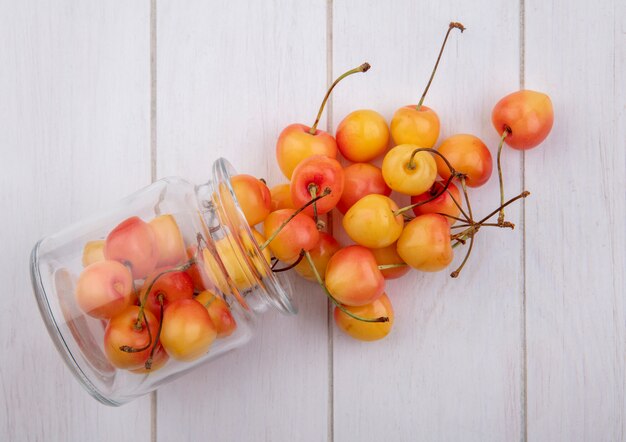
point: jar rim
(275, 293)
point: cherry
(170, 242)
(408, 169)
(353, 277)
(133, 243)
(127, 341)
(373, 221)
(418, 124)
(469, 156)
(253, 197)
(361, 179)
(425, 243)
(188, 330)
(325, 248)
(93, 252)
(444, 203)
(104, 289)
(314, 175)
(165, 288)
(526, 115)
(288, 235)
(390, 264)
(219, 312)
(362, 135)
(366, 331)
(298, 141)
(281, 197)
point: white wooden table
(97, 99)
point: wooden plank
(575, 240)
(452, 367)
(230, 76)
(74, 107)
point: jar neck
(231, 253)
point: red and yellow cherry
(407, 171)
(262, 262)
(361, 179)
(169, 240)
(362, 136)
(133, 243)
(411, 125)
(389, 255)
(159, 358)
(104, 289)
(325, 248)
(125, 332)
(372, 221)
(366, 331)
(311, 178)
(444, 203)
(188, 330)
(166, 288)
(297, 141)
(526, 115)
(300, 233)
(235, 262)
(219, 312)
(215, 273)
(281, 197)
(253, 197)
(418, 124)
(93, 252)
(353, 277)
(425, 243)
(468, 155)
(196, 271)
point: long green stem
(504, 135)
(451, 26)
(363, 68)
(332, 298)
(292, 216)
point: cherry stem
(467, 201)
(180, 268)
(411, 164)
(332, 298)
(391, 266)
(505, 133)
(506, 224)
(363, 68)
(313, 192)
(148, 363)
(467, 255)
(129, 349)
(451, 26)
(291, 266)
(293, 215)
(458, 205)
(210, 301)
(433, 197)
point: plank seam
(329, 319)
(153, 164)
(524, 337)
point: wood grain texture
(452, 367)
(576, 242)
(230, 76)
(74, 107)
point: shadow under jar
(107, 278)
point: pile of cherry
(389, 240)
(162, 298)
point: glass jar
(170, 232)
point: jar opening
(276, 291)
